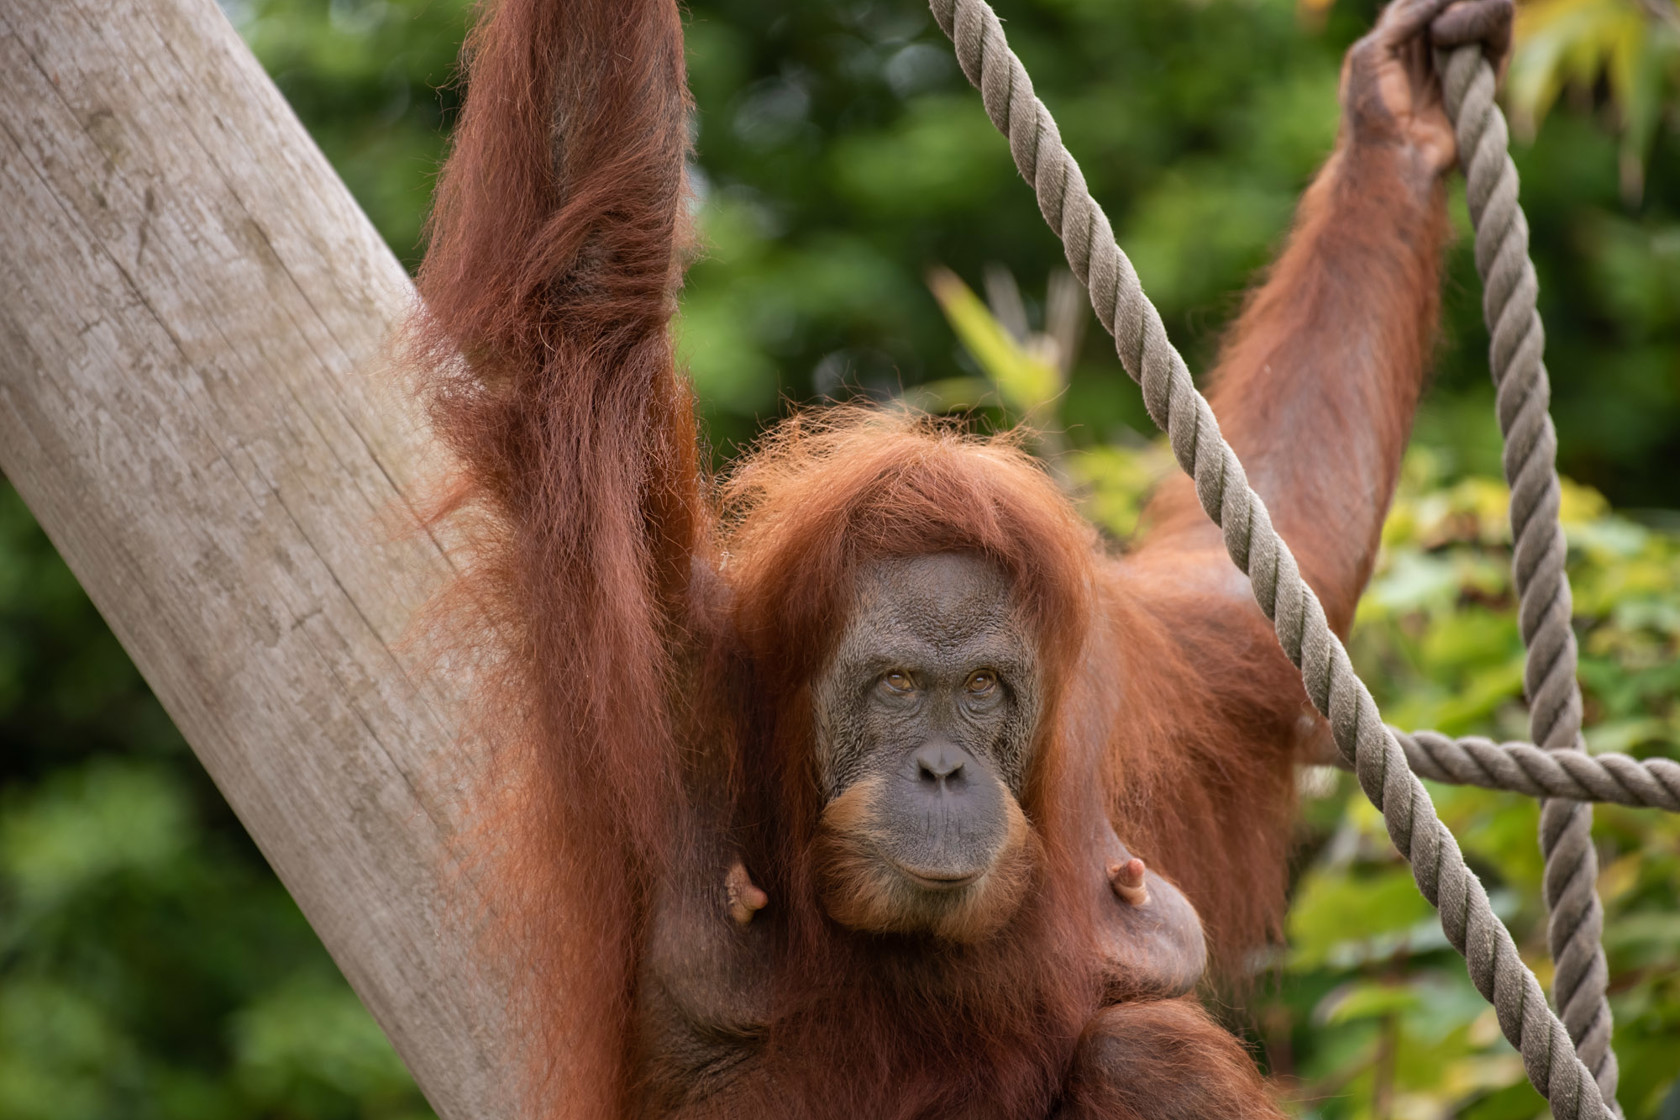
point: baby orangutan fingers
(745, 897)
(1126, 878)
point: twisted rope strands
(1575, 925)
(1254, 544)
(1524, 768)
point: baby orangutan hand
(745, 896)
(1126, 877)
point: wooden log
(193, 318)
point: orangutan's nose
(940, 764)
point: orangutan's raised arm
(1315, 390)
(552, 268)
(1317, 385)
(549, 284)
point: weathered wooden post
(193, 313)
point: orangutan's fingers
(1475, 21)
(1403, 19)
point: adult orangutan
(813, 780)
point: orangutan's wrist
(1376, 162)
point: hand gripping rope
(1579, 1082)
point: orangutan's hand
(1390, 92)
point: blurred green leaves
(372, 79)
(1342, 920)
(942, 152)
(1632, 46)
(150, 964)
(1026, 381)
(86, 827)
(307, 1047)
(1436, 641)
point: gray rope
(1575, 918)
(1525, 768)
(1177, 408)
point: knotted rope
(1376, 755)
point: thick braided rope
(1298, 618)
(1515, 356)
(1525, 768)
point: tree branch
(192, 316)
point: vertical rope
(1255, 546)
(1575, 926)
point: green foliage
(1027, 382)
(1633, 46)
(1436, 641)
(372, 80)
(150, 965)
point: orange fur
(552, 272)
(1195, 1072)
(649, 642)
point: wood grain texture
(194, 315)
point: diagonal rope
(1575, 918)
(1254, 544)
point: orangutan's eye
(981, 683)
(898, 681)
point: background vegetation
(150, 965)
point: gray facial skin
(932, 698)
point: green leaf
(1340, 919)
(1368, 1000)
(1027, 383)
